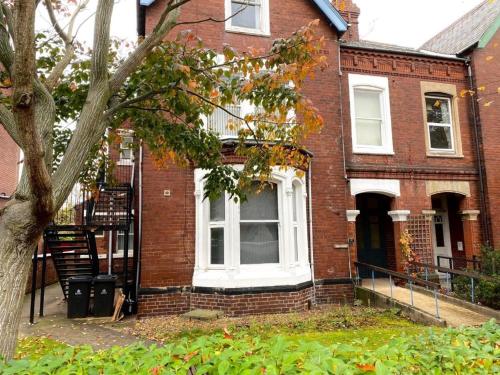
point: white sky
(404, 22)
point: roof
(392, 48)
(466, 31)
(328, 10)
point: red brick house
(475, 37)
(404, 147)
(9, 166)
(398, 151)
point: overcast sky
(404, 22)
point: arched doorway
(374, 231)
(447, 229)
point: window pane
(367, 104)
(294, 203)
(438, 110)
(261, 205)
(245, 15)
(439, 230)
(440, 137)
(369, 132)
(217, 246)
(217, 209)
(259, 243)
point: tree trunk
(18, 237)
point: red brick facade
(169, 221)
(487, 77)
(9, 166)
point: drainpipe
(139, 229)
(476, 122)
(342, 139)
(311, 242)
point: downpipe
(311, 242)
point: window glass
(126, 148)
(368, 117)
(217, 209)
(224, 123)
(260, 205)
(217, 222)
(259, 239)
(259, 243)
(439, 230)
(438, 110)
(246, 13)
(439, 123)
(121, 238)
(217, 245)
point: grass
(367, 327)
(331, 324)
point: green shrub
(451, 351)
(485, 292)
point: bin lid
(80, 278)
(105, 278)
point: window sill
(251, 276)
(373, 152)
(431, 154)
(253, 32)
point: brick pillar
(399, 219)
(469, 220)
(351, 216)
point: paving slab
(100, 333)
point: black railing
(450, 274)
(459, 262)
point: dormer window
(247, 16)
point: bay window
(259, 242)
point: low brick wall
(240, 302)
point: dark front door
(371, 231)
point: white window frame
(450, 125)
(233, 274)
(263, 30)
(379, 84)
(131, 234)
(123, 133)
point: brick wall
(9, 157)
(181, 300)
(487, 76)
(169, 222)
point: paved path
(453, 315)
(100, 333)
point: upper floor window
(248, 16)
(126, 148)
(439, 123)
(370, 114)
(441, 120)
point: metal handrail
(411, 280)
(476, 263)
(454, 271)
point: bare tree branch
(23, 98)
(91, 124)
(68, 39)
(165, 23)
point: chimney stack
(350, 12)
